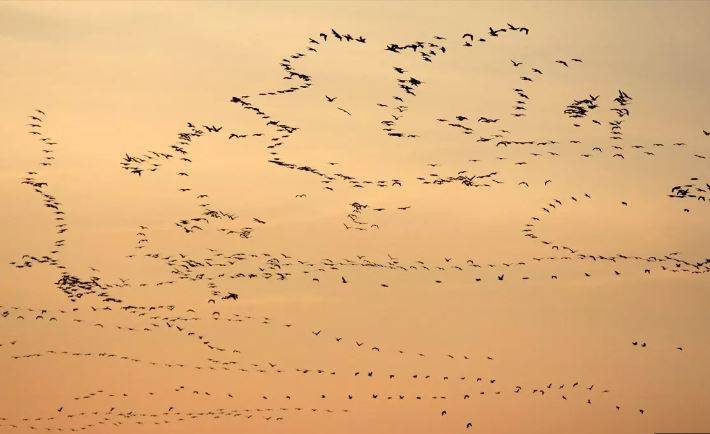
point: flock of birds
(221, 268)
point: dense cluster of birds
(694, 189)
(221, 271)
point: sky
(216, 218)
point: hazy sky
(479, 252)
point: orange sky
(457, 273)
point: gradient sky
(117, 79)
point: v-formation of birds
(223, 272)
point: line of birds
(676, 264)
(118, 418)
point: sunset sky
(521, 274)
